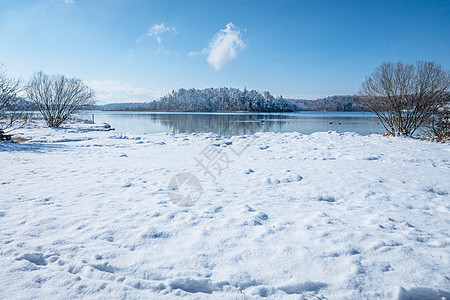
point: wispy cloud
(223, 47)
(156, 31)
(109, 91)
(69, 1)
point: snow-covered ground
(90, 214)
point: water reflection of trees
(239, 124)
(220, 123)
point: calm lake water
(229, 124)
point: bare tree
(404, 96)
(11, 114)
(58, 97)
(439, 123)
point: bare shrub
(58, 97)
(11, 112)
(404, 96)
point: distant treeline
(210, 100)
(332, 103)
(231, 99)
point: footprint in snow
(329, 199)
(104, 267)
(272, 181)
(287, 177)
(248, 208)
(218, 209)
(260, 218)
(127, 183)
(35, 258)
(437, 191)
(153, 233)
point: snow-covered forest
(212, 99)
(332, 103)
(233, 99)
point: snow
(88, 213)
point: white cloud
(109, 91)
(69, 1)
(223, 47)
(156, 31)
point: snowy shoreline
(85, 213)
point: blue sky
(137, 50)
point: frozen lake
(229, 124)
